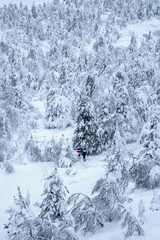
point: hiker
(84, 153)
(79, 150)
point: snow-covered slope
(80, 178)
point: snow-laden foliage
(86, 134)
(141, 211)
(8, 167)
(19, 224)
(146, 169)
(133, 227)
(66, 157)
(58, 110)
(73, 55)
(107, 204)
(33, 150)
(77, 56)
(53, 221)
(85, 213)
(52, 151)
(155, 202)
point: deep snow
(81, 177)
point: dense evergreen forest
(65, 53)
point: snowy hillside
(80, 77)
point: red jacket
(79, 150)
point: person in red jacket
(79, 150)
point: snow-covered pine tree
(85, 134)
(146, 169)
(117, 156)
(90, 86)
(53, 221)
(106, 119)
(21, 219)
(53, 205)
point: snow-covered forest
(80, 74)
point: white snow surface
(82, 178)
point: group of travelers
(83, 152)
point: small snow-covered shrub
(65, 162)
(13, 115)
(58, 110)
(141, 211)
(67, 156)
(141, 169)
(155, 202)
(86, 129)
(33, 150)
(154, 177)
(8, 167)
(19, 224)
(5, 126)
(52, 151)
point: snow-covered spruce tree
(53, 221)
(143, 99)
(125, 113)
(58, 110)
(90, 86)
(85, 134)
(20, 222)
(146, 169)
(106, 119)
(110, 189)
